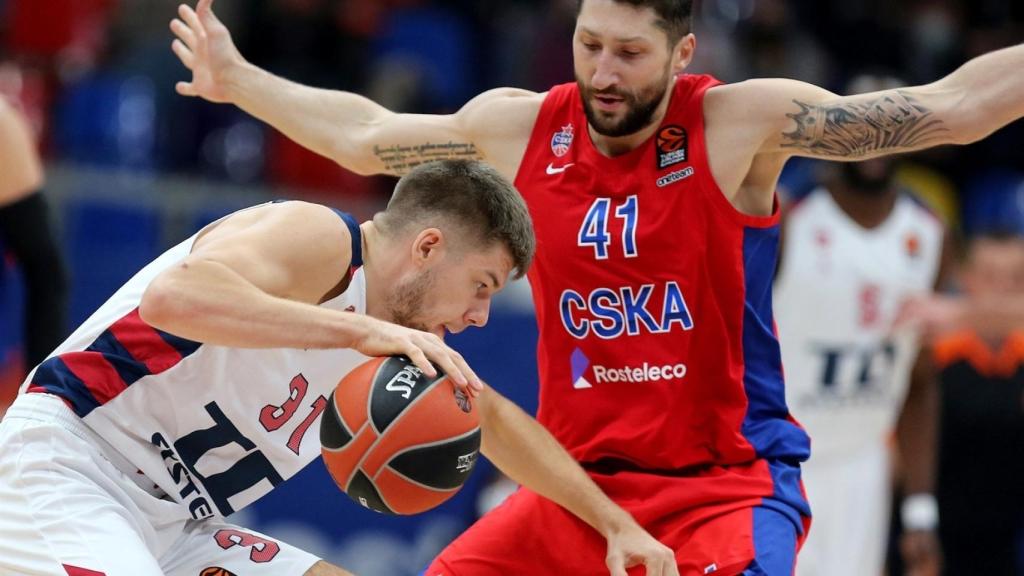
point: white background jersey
(213, 427)
(836, 298)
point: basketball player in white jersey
(197, 387)
(853, 252)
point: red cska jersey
(653, 296)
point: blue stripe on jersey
(55, 377)
(183, 346)
(118, 356)
(767, 425)
(357, 241)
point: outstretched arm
(350, 129)
(527, 453)
(798, 119)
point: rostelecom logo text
(642, 373)
(585, 374)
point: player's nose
(605, 75)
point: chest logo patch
(562, 140)
(672, 145)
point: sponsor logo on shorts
(673, 177)
(673, 144)
(562, 140)
(216, 571)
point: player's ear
(682, 53)
(429, 247)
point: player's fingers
(189, 16)
(444, 357)
(616, 567)
(473, 382)
(205, 7)
(184, 33)
(419, 358)
(185, 89)
(184, 54)
(654, 566)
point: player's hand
(204, 46)
(633, 546)
(933, 314)
(921, 553)
(386, 339)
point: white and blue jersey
(212, 427)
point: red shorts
(723, 521)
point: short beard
(640, 107)
(406, 302)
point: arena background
(133, 167)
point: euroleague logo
(672, 143)
(562, 140)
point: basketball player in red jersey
(652, 192)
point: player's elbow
(162, 303)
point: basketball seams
(417, 483)
(443, 441)
(341, 420)
(369, 398)
(380, 435)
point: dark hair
(470, 195)
(675, 17)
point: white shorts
(850, 500)
(66, 509)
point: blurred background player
(853, 251)
(25, 230)
(979, 355)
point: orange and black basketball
(397, 441)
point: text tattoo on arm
(400, 159)
(891, 122)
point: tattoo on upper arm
(893, 121)
(400, 159)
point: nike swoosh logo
(552, 170)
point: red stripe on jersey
(144, 343)
(98, 375)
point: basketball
(396, 441)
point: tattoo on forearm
(400, 159)
(892, 122)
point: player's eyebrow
(494, 279)
(624, 40)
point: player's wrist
(919, 512)
(237, 79)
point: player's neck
(375, 262)
(868, 209)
